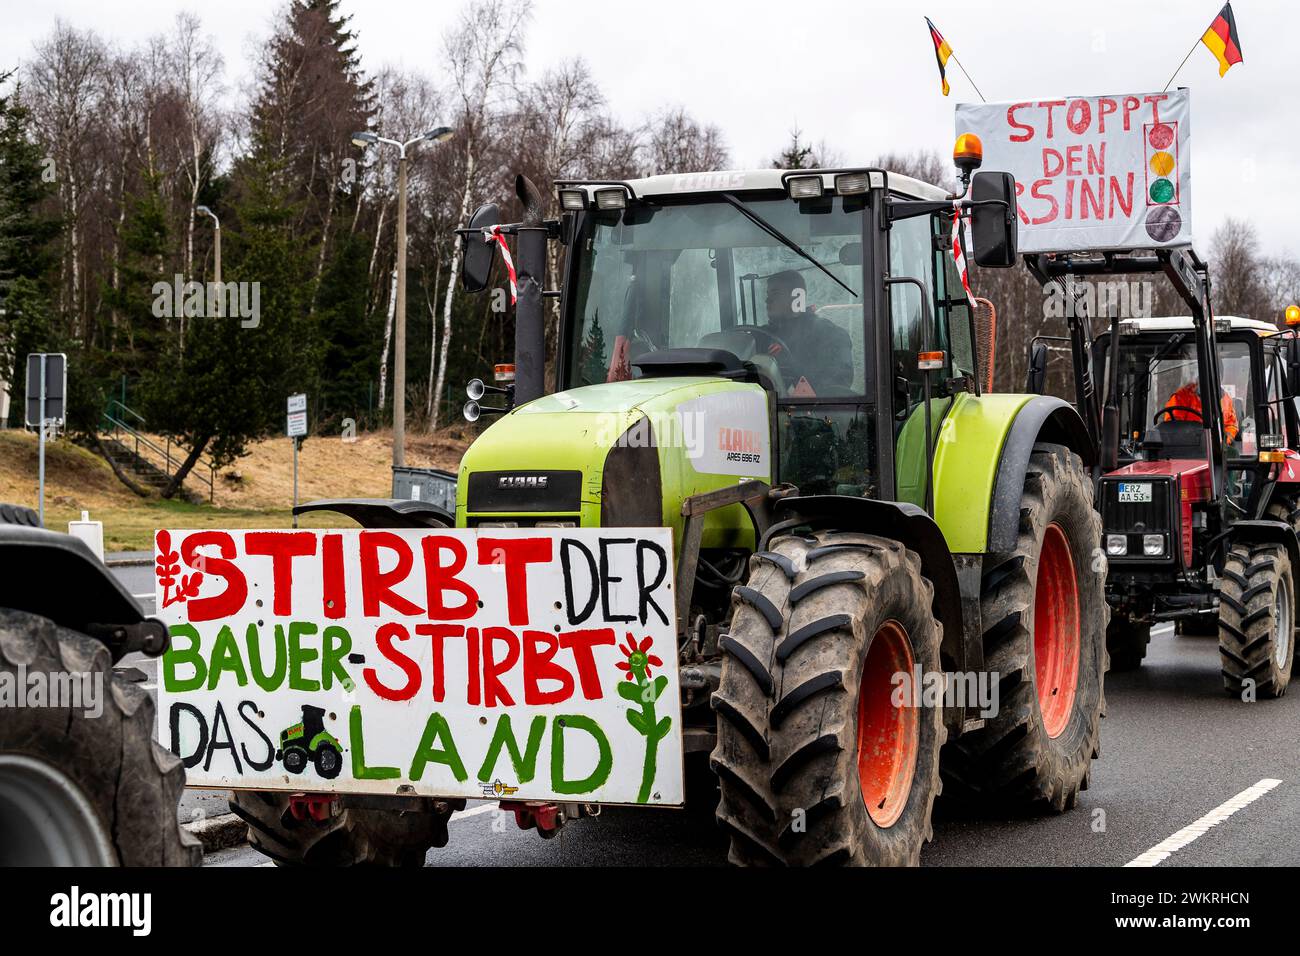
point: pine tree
(26, 249)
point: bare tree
(198, 88)
(485, 52)
(677, 143)
(1238, 279)
(65, 88)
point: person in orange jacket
(1189, 396)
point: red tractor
(1200, 500)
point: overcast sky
(859, 75)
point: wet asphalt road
(1174, 747)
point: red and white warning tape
(494, 235)
(958, 255)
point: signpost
(47, 390)
(1093, 173)
(296, 427)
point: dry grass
(256, 492)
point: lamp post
(216, 239)
(439, 134)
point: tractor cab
(1160, 402)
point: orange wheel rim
(1056, 631)
(888, 735)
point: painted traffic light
(1163, 219)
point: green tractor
(309, 742)
(887, 582)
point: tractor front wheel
(347, 837)
(1045, 617)
(1257, 620)
(824, 753)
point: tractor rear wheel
(80, 788)
(1126, 641)
(347, 837)
(1045, 617)
(819, 759)
(1257, 620)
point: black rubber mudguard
(384, 512)
(57, 576)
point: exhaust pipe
(530, 315)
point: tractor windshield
(1160, 391)
(703, 274)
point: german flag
(941, 53)
(1221, 39)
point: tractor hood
(620, 454)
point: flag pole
(1180, 66)
(968, 79)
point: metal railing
(172, 456)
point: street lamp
(216, 246)
(439, 134)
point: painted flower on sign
(639, 661)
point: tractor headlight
(1153, 545)
(573, 200)
(805, 187)
(1116, 545)
(850, 184)
(611, 199)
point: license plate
(1130, 492)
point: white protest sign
(531, 664)
(1092, 173)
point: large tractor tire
(346, 837)
(79, 789)
(1126, 642)
(1045, 618)
(1257, 620)
(817, 761)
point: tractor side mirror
(477, 264)
(993, 219)
(1293, 367)
(1109, 438)
(1036, 380)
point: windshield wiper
(782, 238)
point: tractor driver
(820, 352)
(1188, 396)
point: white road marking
(1198, 828)
(144, 597)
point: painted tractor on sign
(1200, 495)
(309, 742)
(780, 366)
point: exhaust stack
(530, 316)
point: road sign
(296, 427)
(55, 380)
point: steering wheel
(772, 339)
(1168, 409)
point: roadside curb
(127, 562)
(219, 832)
